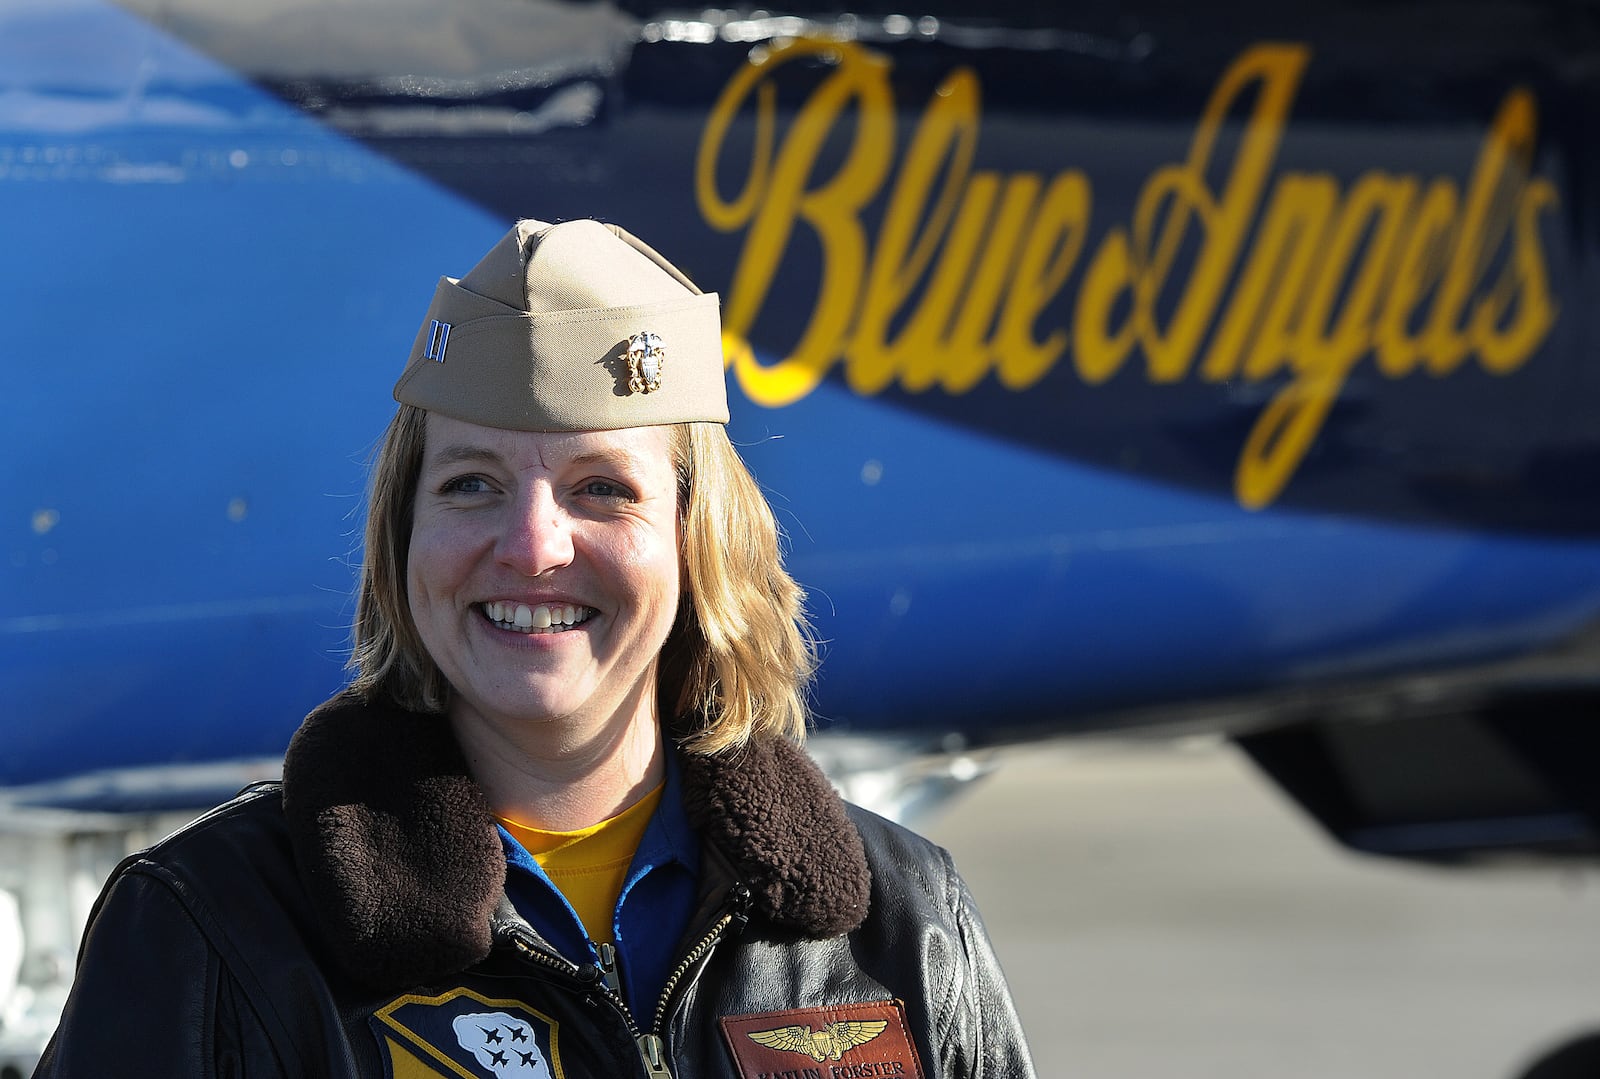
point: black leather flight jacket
(300, 930)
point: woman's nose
(537, 537)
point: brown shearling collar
(399, 853)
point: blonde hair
(738, 661)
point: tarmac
(1163, 912)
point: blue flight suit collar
(652, 913)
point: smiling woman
(545, 526)
(572, 539)
(560, 823)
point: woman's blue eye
(465, 485)
(606, 489)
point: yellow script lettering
(965, 263)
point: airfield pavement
(1163, 912)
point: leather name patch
(845, 1041)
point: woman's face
(544, 570)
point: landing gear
(904, 780)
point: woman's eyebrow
(613, 458)
(459, 453)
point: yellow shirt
(590, 865)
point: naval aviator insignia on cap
(569, 327)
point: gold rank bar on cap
(571, 327)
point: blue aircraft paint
(208, 305)
(976, 575)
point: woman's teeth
(545, 618)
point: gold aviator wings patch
(829, 1043)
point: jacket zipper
(651, 1046)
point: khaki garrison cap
(570, 327)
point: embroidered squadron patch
(847, 1041)
(463, 1034)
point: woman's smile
(540, 618)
